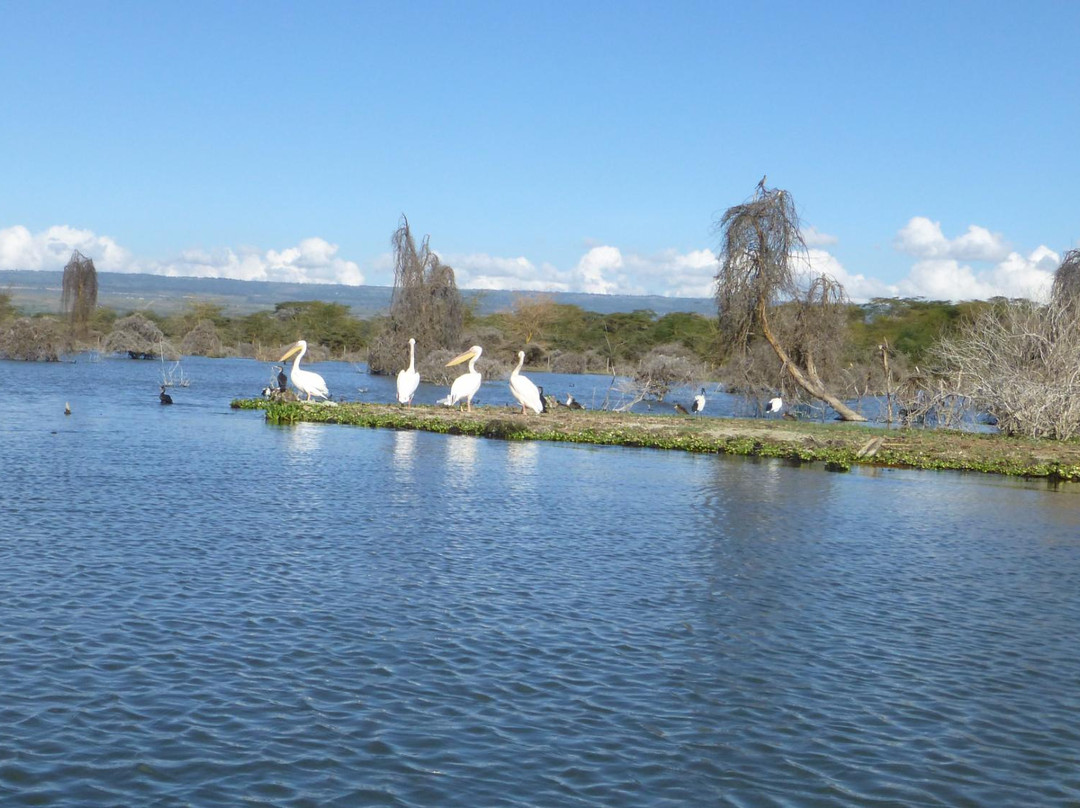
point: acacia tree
(761, 251)
(426, 305)
(80, 289)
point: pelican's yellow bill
(457, 360)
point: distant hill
(39, 291)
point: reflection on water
(202, 609)
(460, 470)
(404, 451)
(305, 440)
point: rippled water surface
(201, 609)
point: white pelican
(305, 381)
(408, 380)
(523, 389)
(465, 385)
(699, 402)
(774, 405)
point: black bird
(165, 397)
(699, 402)
(282, 379)
(543, 400)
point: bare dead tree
(1066, 288)
(33, 339)
(761, 249)
(662, 368)
(425, 305)
(202, 340)
(1019, 361)
(139, 338)
(80, 290)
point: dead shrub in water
(426, 305)
(1020, 362)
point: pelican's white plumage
(465, 385)
(306, 381)
(523, 389)
(408, 380)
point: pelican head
(473, 353)
(300, 345)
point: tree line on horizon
(778, 330)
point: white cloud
(975, 265)
(483, 271)
(52, 248)
(858, 287)
(599, 271)
(922, 238)
(1016, 275)
(944, 270)
(815, 238)
(314, 260)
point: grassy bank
(839, 446)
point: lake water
(197, 608)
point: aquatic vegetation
(838, 446)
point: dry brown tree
(758, 293)
(80, 290)
(139, 338)
(33, 339)
(1019, 361)
(425, 305)
(1066, 289)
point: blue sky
(931, 148)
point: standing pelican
(305, 381)
(774, 405)
(699, 402)
(523, 389)
(409, 379)
(465, 385)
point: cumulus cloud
(483, 271)
(924, 239)
(314, 260)
(52, 248)
(1015, 275)
(975, 265)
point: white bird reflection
(461, 460)
(521, 459)
(404, 450)
(305, 438)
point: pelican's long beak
(465, 357)
(292, 349)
